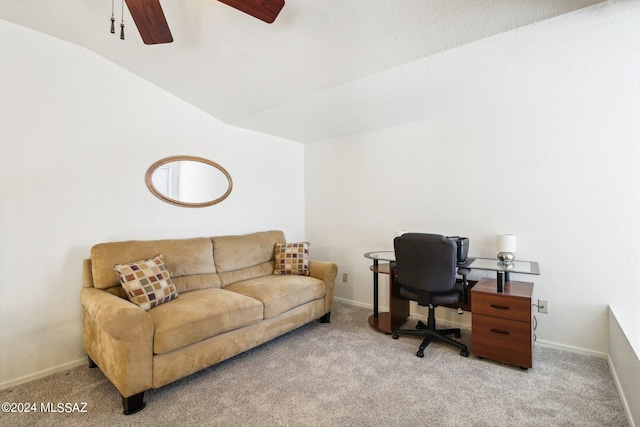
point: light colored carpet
(346, 374)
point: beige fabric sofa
(228, 301)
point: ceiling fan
(153, 27)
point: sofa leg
(92, 364)
(133, 404)
(326, 318)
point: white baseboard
(358, 304)
(621, 393)
(624, 358)
(414, 316)
(44, 373)
(465, 326)
(572, 349)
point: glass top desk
(399, 307)
(490, 264)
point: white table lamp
(506, 246)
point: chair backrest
(426, 262)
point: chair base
(430, 334)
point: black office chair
(426, 272)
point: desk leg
(500, 281)
(398, 307)
(375, 288)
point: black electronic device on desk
(463, 248)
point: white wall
(558, 168)
(77, 135)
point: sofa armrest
(118, 336)
(327, 272)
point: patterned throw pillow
(292, 258)
(147, 282)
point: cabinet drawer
(500, 339)
(503, 306)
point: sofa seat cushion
(201, 314)
(280, 293)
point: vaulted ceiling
(309, 75)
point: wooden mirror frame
(159, 195)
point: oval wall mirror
(189, 181)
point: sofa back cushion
(188, 261)
(245, 257)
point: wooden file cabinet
(501, 322)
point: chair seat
(436, 298)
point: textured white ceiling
(320, 70)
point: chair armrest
(118, 336)
(327, 272)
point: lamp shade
(506, 243)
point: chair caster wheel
(458, 335)
(420, 353)
(421, 325)
(464, 353)
(394, 336)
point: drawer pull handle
(499, 307)
(499, 331)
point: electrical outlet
(543, 306)
(345, 277)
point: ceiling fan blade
(265, 10)
(150, 20)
